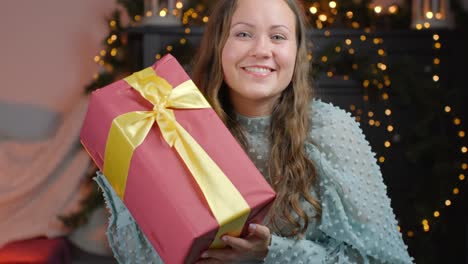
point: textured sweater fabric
(357, 223)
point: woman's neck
(253, 108)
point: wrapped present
(177, 168)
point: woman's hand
(252, 247)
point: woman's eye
(242, 35)
(278, 37)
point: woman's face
(259, 56)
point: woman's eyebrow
(242, 23)
(279, 26)
(252, 26)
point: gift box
(172, 161)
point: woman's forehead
(273, 12)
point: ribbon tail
(226, 203)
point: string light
(460, 133)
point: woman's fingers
(254, 246)
(237, 243)
(221, 255)
(260, 231)
(209, 261)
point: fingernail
(224, 238)
(252, 226)
(204, 255)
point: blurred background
(398, 66)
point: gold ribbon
(129, 130)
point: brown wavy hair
(292, 174)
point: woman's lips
(258, 71)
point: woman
(331, 205)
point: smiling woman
(331, 204)
(259, 55)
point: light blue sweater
(357, 224)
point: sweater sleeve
(126, 240)
(357, 219)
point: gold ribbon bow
(129, 130)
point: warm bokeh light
(378, 9)
(313, 10)
(365, 83)
(393, 9)
(113, 52)
(426, 228)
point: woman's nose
(261, 48)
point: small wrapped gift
(177, 168)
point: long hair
(292, 174)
